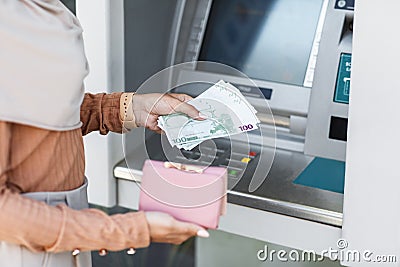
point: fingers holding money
(186, 98)
(184, 107)
(229, 113)
(180, 106)
(181, 97)
(148, 107)
(191, 111)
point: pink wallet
(187, 192)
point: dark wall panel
(71, 4)
(147, 33)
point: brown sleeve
(41, 227)
(101, 112)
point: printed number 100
(246, 127)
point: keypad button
(245, 160)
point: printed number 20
(246, 127)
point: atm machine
(297, 55)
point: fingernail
(203, 233)
(203, 116)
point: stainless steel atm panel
(319, 30)
(326, 132)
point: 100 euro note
(227, 111)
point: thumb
(188, 109)
(193, 229)
(181, 97)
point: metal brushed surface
(276, 194)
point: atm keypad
(235, 162)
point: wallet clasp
(184, 167)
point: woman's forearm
(41, 227)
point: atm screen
(265, 39)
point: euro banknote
(227, 111)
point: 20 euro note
(227, 111)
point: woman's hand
(165, 229)
(147, 108)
